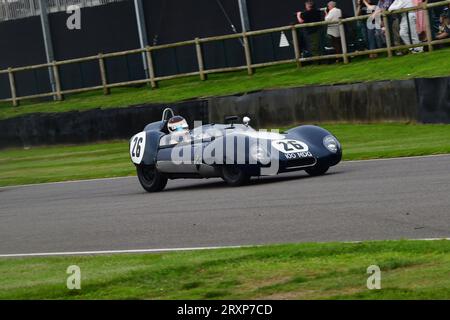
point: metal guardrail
(58, 94)
(18, 9)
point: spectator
(435, 14)
(408, 31)
(394, 23)
(374, 34)
(362, 10)
(420, 20)
(444, 27)
(333, 14)
(311, 35)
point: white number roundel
(290, 146)
(137, 147)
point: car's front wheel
(150, 178)
(234, 175)
(317, 170)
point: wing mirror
(246, 121)
(231, 120)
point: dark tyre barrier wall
(91, 125)
(421, 100)
(434, 100)
(360, 102)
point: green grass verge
(409, 270)
(62, 163)
(102, 160)
(361, 69)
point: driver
(178, 129)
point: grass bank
(102, 160)
(409, 270)
(431, 64)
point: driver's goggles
(178, 128)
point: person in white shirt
(333, 15)
(408, 31)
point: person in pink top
(420, 19)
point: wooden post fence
(343, 42)
(296, 46)
(12, 85)
(244, 37)
(201, 67)
(101, 63)
(388, 35)
(151, 68)
(248, 55)
(428, 28)
(58, 94)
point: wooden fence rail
(58, 93)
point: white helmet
(177, 124)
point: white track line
(74, 253)
(128, 177)
(66, 182)
(424, 239)
(399, 158)
(81, 253)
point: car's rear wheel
(150, 178)
(234, 176)
(317, 170)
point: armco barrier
(419, 100)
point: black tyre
(234, 176)
(150, 178)
(317, 170)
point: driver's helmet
(177, 124)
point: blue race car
(167, 149)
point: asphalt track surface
(367, 200)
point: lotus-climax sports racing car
(167, 149)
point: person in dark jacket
(361, 10)
(310, 36)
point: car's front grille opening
(299, 163)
